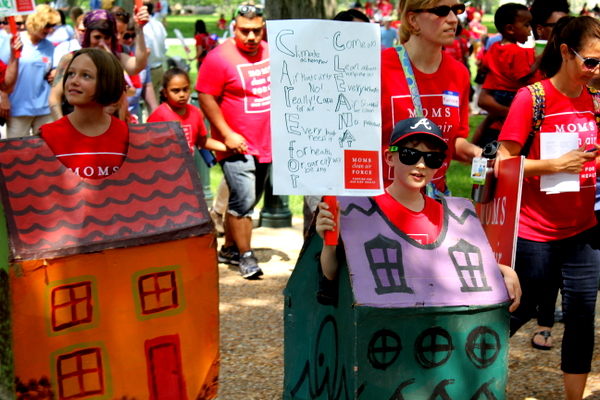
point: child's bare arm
(207, 143)
(511, 280)
(329, 261)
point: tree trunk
(299, 9)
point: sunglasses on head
(590, 63)
(243, 10)
(443, 11)
(128, 36)
(408, 156)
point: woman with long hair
(557, 238)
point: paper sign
(325, 109)
(16, 7)
(500, 217)
(554, 145)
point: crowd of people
(79, 87)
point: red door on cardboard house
(165, 375)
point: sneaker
(229, 255)
(249, 268)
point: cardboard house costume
(408, 321)
(111, 284)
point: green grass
(458, 174)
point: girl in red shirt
(90, 142)
(176, 94)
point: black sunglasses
(243, 10)
(443, 11)
(549, 25)
(20, 23)
(128, 36)
(590, 62)
(408, 156)
(122, 14)
(4, 22)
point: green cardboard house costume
(408, 321)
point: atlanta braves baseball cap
(416, 126)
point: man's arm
(233, 140)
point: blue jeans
(573, 265)
(246, 178)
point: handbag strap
(410, 80)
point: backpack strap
(539, 104)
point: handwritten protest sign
(325, 109)
(16, 7)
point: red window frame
(80, 372)
(160, 294)
(73, 304)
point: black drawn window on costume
(385, 260)
(80, 374)
(158, 292)
(71, 305)
(469, 267)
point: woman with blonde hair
(29, 101)
(418, 78)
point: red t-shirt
(507, 63)
(90, 157)
(192, 122)
(423, 226)
(445, 99)
(458, 50)
(242, 86)
(545, 217)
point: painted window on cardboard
(158, 292)
(80, 373)
(71, 305)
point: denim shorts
(246, 178)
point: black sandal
(546, 334)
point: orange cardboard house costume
(111, 284)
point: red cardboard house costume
(111, 284)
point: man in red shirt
(234, 88)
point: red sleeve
(157, 115)
(2, 71)
(211, 76)
(517, 125)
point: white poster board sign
(325, 108)
(16, 7)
